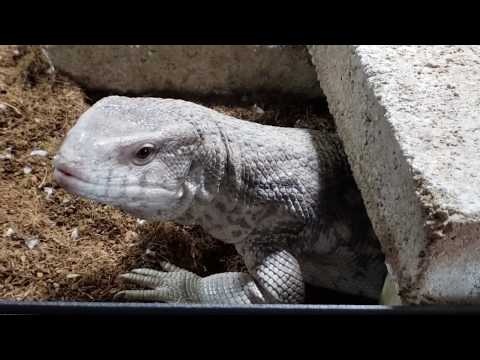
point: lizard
(284, 197)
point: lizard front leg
(274, 277)
(181, 286)
(276, 271)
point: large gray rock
(188, 69)
(409, 117)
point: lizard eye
(144, 154)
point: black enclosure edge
(111, 308)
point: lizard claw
(142, 280)
(173, 285)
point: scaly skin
(284, 197)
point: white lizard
(283, 196)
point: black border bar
(111, 308)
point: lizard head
(137, 154)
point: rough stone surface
(188, 69)
(409, 117)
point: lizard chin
(169, 207)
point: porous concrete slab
(409, 118)
(188, 69)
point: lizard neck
(218, 205)
(207, 175)
(245, 176)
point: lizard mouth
(144, 200)
(63, 172)
(71, 179)
(75, 183)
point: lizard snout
(64, 169)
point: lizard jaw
(71, 182)
(166, 209)
(75, 182)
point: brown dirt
(37, 107)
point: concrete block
(188, 69)
(409, 118)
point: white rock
(74, 234)
(32, 242)
(141, 221)
(49, 191)
(9, 232)
(7, 154)
(72, 276)
(27, 169)
(39, 152)
(258, 109)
